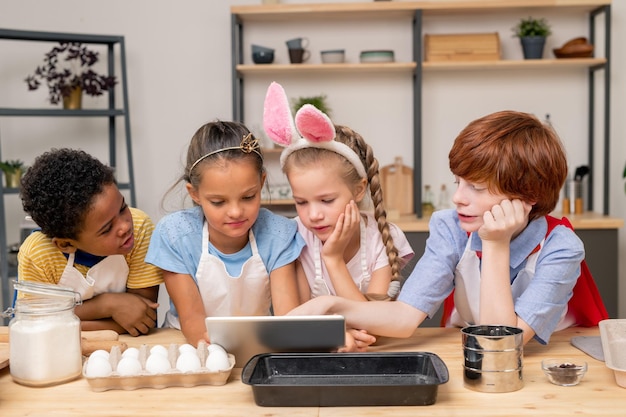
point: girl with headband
(350, 253)
(226, 256)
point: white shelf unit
(418, 11)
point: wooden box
(462, 47)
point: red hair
(515, 154)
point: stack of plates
(376, 56)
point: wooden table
(597, 394)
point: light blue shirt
(542, 302)
(176, 244)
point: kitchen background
(179, 72)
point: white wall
(178, 56)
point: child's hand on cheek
(347, 225)
(504, 220)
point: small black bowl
(262, 57)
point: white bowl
(334, 56)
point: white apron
(224, 295)
(108, 275)
(467, 288)
(322, 285)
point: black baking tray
(344, 379)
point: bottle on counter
(428, 199)
(444, 198)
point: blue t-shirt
(540, 305)
(176, 243)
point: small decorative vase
(74, 100)
(12, 179)
(532, 46)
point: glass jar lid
(31, 294)
(46, 290)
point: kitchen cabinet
(418, 12)
(111, 114)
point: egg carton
(170, 378)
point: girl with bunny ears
(349, 253)
(226, 256)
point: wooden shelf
(271, 151)
(278, 202)
(408, 67)
(395, 9)
(586, 221)
(514, 64)
(387, 67)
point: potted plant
(13, 170)
(67, 72)
(532, 33)
(318, 101)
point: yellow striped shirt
(40, 260)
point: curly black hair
(59, 188)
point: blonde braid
(366, 154)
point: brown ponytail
(366, 154)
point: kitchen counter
(586, 221)
(597, 394)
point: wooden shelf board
(277, 202)
(386, 67)
(586, 221)
(513, 64)
(271, 151)
(395, 9)
(427, 66)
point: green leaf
(531, 27)
(317, 101)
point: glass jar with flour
(44, 335)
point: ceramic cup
(297, 43)
(298, 55)
(333, 56)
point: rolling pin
(90, 341)
(93, 340)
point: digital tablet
(246, 336)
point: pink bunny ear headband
(315, 128)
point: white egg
(100, 353)
(159, 349)
(217, 361)
(187, 348)
(131, 352)
(188, 362)
(214, 346)
(129, 366)
(98, 367)
(157, 363)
